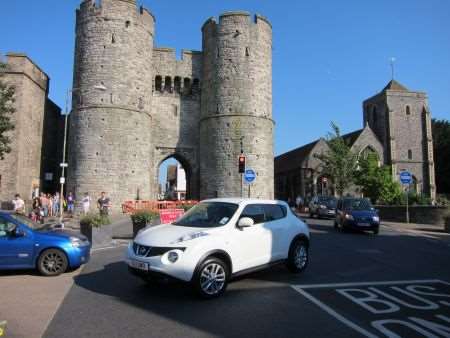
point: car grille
(151, 251)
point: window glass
(273, 212)
(208, 215)
(255, 212)
(5, 227)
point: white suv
(219, 239)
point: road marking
(109, 247)
(333, 285)
(366, 297)
(330, 311)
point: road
(106, 301)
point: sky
(328, 55)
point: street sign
(249, 176)
(405, 177)
(63, 165)
(62, 180)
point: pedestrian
(44, 204)
(103, 204)
(50, 205)
(37, 213)
(70, 204)
(19, 204)
(56, 203)
(86, 203)
(298, 202)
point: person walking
(56, 204)
(50, 205)
(44, 204)
(19, 204)
(70, 204)
(103, 204)
(86, 203)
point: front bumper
(326, 213)
(361, 225)
(158, 266)
(78, 256)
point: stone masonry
(135, 105)
(20, 171)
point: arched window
(158, 83)
(187, 86)
(408, 110)
(168, 84)
(195, 86)
(177, 84)
(409, 154)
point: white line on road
(109, 247)
(333, 285)
(330, 311)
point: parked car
(28, 245)
(356, 213)
(219, 239)
(322, 206)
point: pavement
(347, 291)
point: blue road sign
(249, 175)
(405, 177)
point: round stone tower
(110, 141)
(236, 105)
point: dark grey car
(323, 206)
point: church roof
(293, 158)
(351, 138)
(394, 85)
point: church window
(175, 110)
(158, 83)
(177, 84)
(113, 38)
(168, 84)
(409, 154)
(247, 51)
(408, 110)
(127, 24)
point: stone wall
(21, 169)
(236, 105)
(417, 214)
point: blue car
(27, 245)
(356, 213)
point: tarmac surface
(357, 284)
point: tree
(376, 182)
(441, 151)
(338, 162)
(6, 110)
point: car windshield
(29, 223)
(208, 215)
(328, 201)
(358, 204)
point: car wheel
(298, 256)
(52, 262)
(211, 279)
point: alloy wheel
(53, 263)
(212, 278)
(300, 256)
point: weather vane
(392, 66)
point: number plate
(139, 265)
(364, 224)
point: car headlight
(376, 218)
(76, 242)
(172, 256)
(349, 217)
(189, 237)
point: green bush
(94, 220)
(143, 217)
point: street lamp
(63, 165)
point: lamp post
(64, 165)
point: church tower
(402, 121)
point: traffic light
(241, 164)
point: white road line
(334, 285)
(108, 247)
(336, 315)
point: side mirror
(245, 222)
